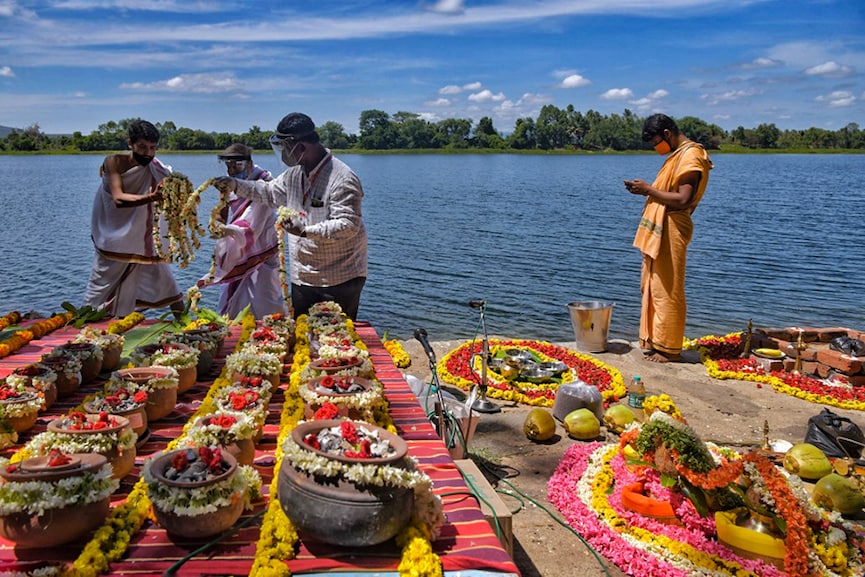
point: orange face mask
(663, 147)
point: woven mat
(467, 541)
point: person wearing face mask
(127, 275)
(663, 235)
(247, 264)
(327, 243)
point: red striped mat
(467, 542)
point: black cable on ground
(596, 555)
(171, 571)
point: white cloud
(838, 98)
(761, 62)
(617, 94)
(6, 72)
(448, 7)
(574, 81)
(486, 95)
(193, 83)
(438, 102)
(650, 101)
(829, 68)
(454, 89)
(728, 96)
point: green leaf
(669, 480)
(68, 306)
(696, 496)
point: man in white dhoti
(127, 274)
(247, 261)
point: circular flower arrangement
(456, 368)
(37, 376)
(720, 355)
(221, 429)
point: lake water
(778, 239)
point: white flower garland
(101, 339)
(38, 382)
(210, 435)
(26, 404)
(195, 501)
(250, 362)
(364, 402)
(123, 440)
(176, 357)
(70, 368)
(37, 497)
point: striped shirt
(335, 247)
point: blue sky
(228, 65)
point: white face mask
(288, 157)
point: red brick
(809, 335)
(809, 367)
(823, 371)
(825, 335)
(857, 380)
(839, 361)
(809, 354)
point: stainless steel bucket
(591, 321)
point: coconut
(539, 425)
(807, 461)
(617, 417)
(583, 424)
(839, 494)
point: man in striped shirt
(327, 242)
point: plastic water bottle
(636, 393)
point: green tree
(454, 132)
(767, 135)
(377, 132)
(523, 136)
(333, 135)
(551, 128)
(486, 135)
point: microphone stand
(421, 335)
(482, 404)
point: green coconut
(617, 417)
(539, 425)
(582, 424)
(839, 494)
(807, 461)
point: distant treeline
(554, 129)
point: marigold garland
(720, 355)
(37, 330)
(126, 323)
(400, 357)
(9, 319)
(455, 368)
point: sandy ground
(726, 412)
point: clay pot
(160, 400)
(66, 383)
(186, 376)
(55, 526)
(327, 366)
(332, 510)
(198, 526)
(24, 421)
(137, 416)
(243, 450)
(121, 460)
(40, 377)
(207, 345)
(111, 356)
(342, 410)
(90, 356)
